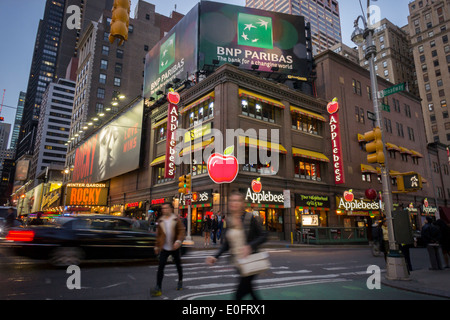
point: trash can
(436, 257)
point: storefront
(311, 210)
(269, 205)
(356, 213)
(201, 206)
(426, 210)
(135, 210)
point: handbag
(254, 264)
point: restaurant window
(304, 123)
(200, 113)
(160, 171)
(307, 169)
(366, 177)
(161, 132)
(258, 110)
(198, 169)
(257, 165)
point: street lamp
(395, 262)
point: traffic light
(374, 146)
(120, 21)
(182, 184)
(188, 183)
(409, 182)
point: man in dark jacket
(430, 233)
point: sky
(20, 18)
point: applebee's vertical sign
(338, 167)
(172, 125)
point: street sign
(371, 116)
(395, 89)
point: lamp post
(395, 262)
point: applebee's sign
(338, 167)
(264, 196)
(172, 125)
(349, 203)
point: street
(296, 274)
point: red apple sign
(333, 106)
(257, 185)
(223, 168)
(348, 196)
(173, 97)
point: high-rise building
(17, 121)
(5, 130)
(53, 128)
(110, 76)
(394, 61)
(56, 44)
(429, 31)
(323, 15)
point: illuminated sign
(172, 125)
(86, 196)
(338, 166)
(133, 205)
(112, 151)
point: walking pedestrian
(383, 235)
(169, 236)
(207, 229)
(214, 228)
(244, 234)
(430, 233)
(444, 240)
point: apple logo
(333, 106)
(348, 195)
(173, 97)
(223, 168)
(256, 185)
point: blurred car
(70, 240)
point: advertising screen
(175, 56)
(252, 37)
(86, 195)
(112, 151)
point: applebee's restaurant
(311, 210)
(356, 213)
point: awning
(262, 144)
(392, 173)
(197, 146)
(257, 97)
(159, 123)
(308, 113)
(416, 154)
(158, 160)
(391, 146)
(365, 168)
(297, 152)
(209, 96)
(404, 150)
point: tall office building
(323, 15)
(17, 121)
(429, 30)
(110, 76)
(56, 44)
(53, 129)
(394, 61)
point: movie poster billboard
(111, 151)
(247, 36)
(175, 56)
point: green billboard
(215, 33)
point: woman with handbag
(244, 234)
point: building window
(258, 110)
(161, 132)
(101, 93)
(102, 78)
(117, 81)
(411, 134)
(356, 87)
(119, 54)
(160, 172)
(201, 113)
(104, 64)
(359, 115)
(105, 50)
(366, 177)
(307, 169)
(305, 123)
(400, 130)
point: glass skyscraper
(323, 15)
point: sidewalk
(425, 281)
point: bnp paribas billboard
(215, 33)
(252, 37)
(175, 56)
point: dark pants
(176, 254)
(245, 287)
